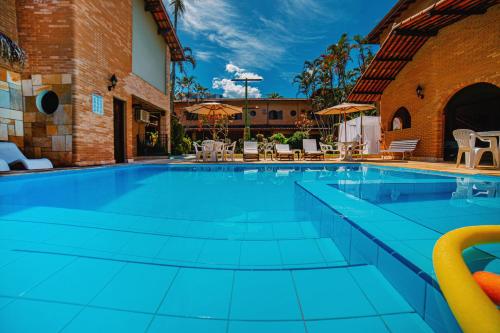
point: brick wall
(103, 46)
(73, 48)
(461, 54)
(8, 19)
(46, 34)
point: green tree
(274, 95)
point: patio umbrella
(344, 109)
(214, 109)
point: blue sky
(268, 38)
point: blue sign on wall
(97, 104)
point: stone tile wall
(11, 107)
(49, 136)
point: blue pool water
(286, 248)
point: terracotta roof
(404, 41)
(165, 27)
(374, 36)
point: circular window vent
(47, 102)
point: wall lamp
(420, 92)
(113, 80)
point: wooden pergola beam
(374, 78)
(388, 59)
(415, 32)
(458, 12)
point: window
(191, 116)
(253, 113)
(238, 116)
(97, 104)
(293, 113)
(400, 120)
(275, 115)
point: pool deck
(430, 166)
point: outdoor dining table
(213, 150)
(346, 149)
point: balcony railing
(148, 145)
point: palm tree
(179, 8)
(365, 54)
(201, 91)
(188, 58)
(186, 83)
(274, 95)
(341, 53)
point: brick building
(438, 69)
(74, 48)
(267, 116)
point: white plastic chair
(218, 150)
(328, 149)
(198, 150)
(11, 154)
(268, 149)
(207, 147)
(466, 140)
(229, 151)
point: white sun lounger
(311, 149)
(284, 151)
(250, 150)
(11, 154)
(4, 166)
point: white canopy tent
(370, 132)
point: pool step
(84, 290)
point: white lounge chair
(283, 151)
(311, 149)
(466, 140)
(4, 166)
(250, 150)
(11, 154)
(401, 147)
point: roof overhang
(404, 41)
(165, 28)
(374, 36)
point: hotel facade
(438, 69)
(267, 116)
(95, 78)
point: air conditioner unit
(142, 116)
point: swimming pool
(249, 248)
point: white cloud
(233, 89)
(219, 22)
(203, 55)
(241, 73)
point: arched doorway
(476, 107)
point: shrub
(278, 138)
(295, 141)
(260, 137)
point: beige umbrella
(214, 109)
(344, 109)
